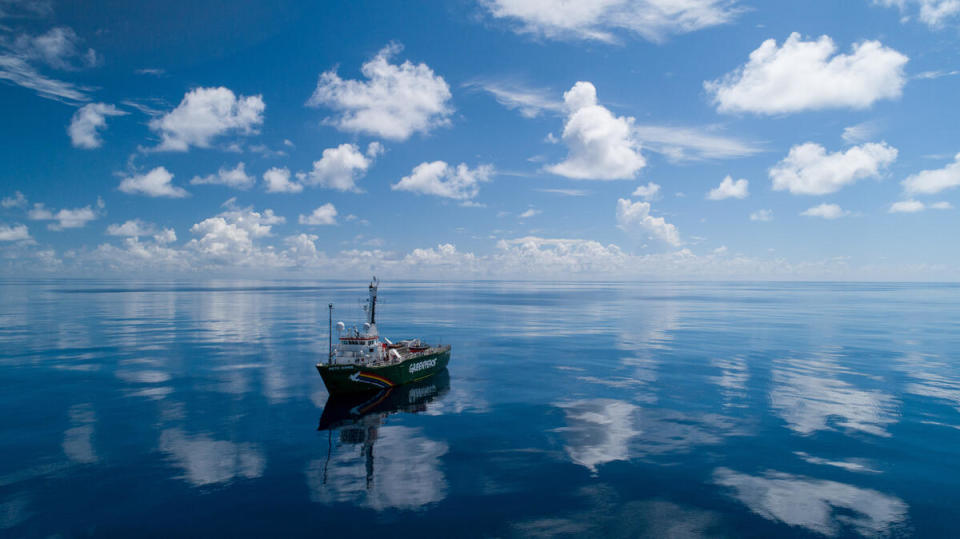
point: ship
(362, 361)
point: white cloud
(566, 192)
(933, 13)
(87, 121)
(677, 143)
(861, 132)
(686, 143)
(531, 102)
(762, 215)
(440, 179)
(14, 233)
(827, 211)
(235, 177)
(18, 71)
(394, 103)
(59, 48)
(228, 238)
(323, 215)
(206, 113)
(155, 183)
(278, 181)
(806, 75)
(729, 189)
(647, 192)
(339, 168)
(601, 146)
(914, 206)
(529, 213)
(15, 201)
(167, 235)
(809, 170)
(65, 218)
(132, 228)
(633, 216)
(907, 206)
(937, 73)
(928, 182)
(653, 20)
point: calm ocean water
(615, 410)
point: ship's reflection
(352, 412)
(404, 457)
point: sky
(481, 139)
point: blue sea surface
(568, 409)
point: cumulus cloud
(394, 103)
(600, 146)
(339, 168)
(807, 75)
(677, 143)
(826, 211)
(15, 201)
(809, 170)
(323, 215)
(635, 216)
(929, 182)
(167, 235)
(933, 13)
(440, 179)
(532, 212)
(235, 177)
(206, 113)
(653, 20)
(762, 215)
(907, 206)
(132, 228)
(229, 237)
(647, 192)
(155, 183)
(65, 218)
(88, 121)
(14, 233)
(729, 189)
(278, 181)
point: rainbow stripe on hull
(372, 379)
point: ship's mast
(372, 312)
(330, 336)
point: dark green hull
(341, 379)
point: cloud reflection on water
(826, 507)
(205, 460)
(809, 395)
(599, 431)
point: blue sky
(481, 139)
